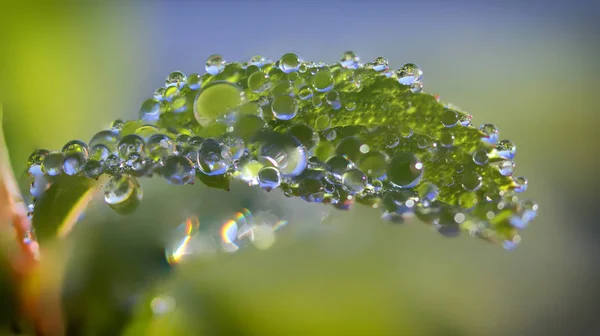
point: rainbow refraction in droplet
(185, 233)
(234, 229)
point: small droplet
(129, 144)
(215, 64)
(337, 165)
(405, 170)
(176, 78)
(123, 194)
(506, 149)
(322, 123)
(405, 131)
(480, 157)
(391, 140)
(117, 125)
(92, 169)
(289, 62)
(150, 110)
(284, 107)
(53, 163)
(258, 61)
(349, 60)
(505, 167)
(409, 74)
(471, 181)
(520, 184)
(333, 99)
(446, 138)
(269, 178)
(350, 105)
(380, 64)
(490, 133)
(428, 192)
(178, 169)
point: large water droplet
(490, 133)
(290, 62)
(194, 81)
(375, 164)
(409, 74)
(123, 194)
(380, 64)
(53, 163)
(215, 64)
(449, 118)
(212, 158)
(405, 170)
(131, 143)
(178, 169)
(159, 146)
(258, 82)
(506, 149)
(269, 177)
(284, 107)
(284, 152)
(354, 180)
(216, 100)
(480, 157)
(520, 184)
(471, 181)
(92, 169)
(176, 78)
(349, 60)
(106, 138)
(323, 80)
(150, 110)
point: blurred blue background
(530, 67)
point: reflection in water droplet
(269, 178)
(480, 157)
(178, 170)
(449, 118)
(284, 107)
(506, 149)
(176, 78)
(405, 170)
(284, 152)
(130, 143)
(409, 74)
(159, 146)
(215, 64)
(215, 100)
(471, 181)
(490, 133)
(354, 180)
(92, 169)
(150, 110)
(380, 64)
(289, 62)
(258, 82)
(349, 60)
(374, 163)
(123, 194)
(194, 81)
(213, 159)
(323, 80)
(53, 163)
(505, 167)
(428, 192)
(520, 184)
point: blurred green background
(68, 69)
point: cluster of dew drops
(248, 121)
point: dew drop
(322, 122)
(123, 194)
(290, 62)
(136, 164)
(215, 64)
(337, 165)
(159, 146)
(194, 81)
(480, 157)
(405, 170)
(284, 107)
(449, 118)
(53, 163)
(490, 133)
(471, 181)
(269, 178)
(284, 152)
(447, 138)
(375, 164)
(150, 110)
(258, 60)
(99, 152)
(34, 163)
(305, 134)
(117, 125)
(354, 180)
(520, 184)
(258, 82)
(216, 100)
(506, 149)
(505, 167)
(380, 64)
(349, 60)
(409, 74)
(131, 143)
(146, 131)
(176, 78)
(391, 140)
(107, 138)
(178, 170)
(428, 192)
(212, 158)
(92, 169)
(323, 80)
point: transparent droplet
(53, 163)
(349, 147)
(409, 74)
(178, 169)
(171, 93)
(289, 62)
(284, 152)
(73, 163)
(449, 118)
(117, 125)
(391, 140)
(107, 138)
(349, 60)
(468, 200)
(505, 167)
(159, 94)
(150, 110)
(333, 99)
(123, 194)
(446, 138)
(34, 163)
(506, 149)
(337, 165)
(375, 164)
(113, 164)
(216, 100)
(258, 60)
(323, 80)
(316, 101)
(129, 144)
(269, 177)
(480, 157)
(284, 107)
(212, 158)
(527, 211)
(215, 64)
(234, 146)
(350, 105)
(159, 146)
(92, 169)
(305, 93)
(194, 81)
(176, 78)
(258, 82)
(136, 164)
(405, 131)
(305, 134)
(405, 170)
(146, 131)
(99, 152)
(471, 181)
(380, 64)
(520, 184)
(354, 180)
(428, 192)
(490, 133)
(465, 120)
(322, 122)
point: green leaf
(58, 209)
